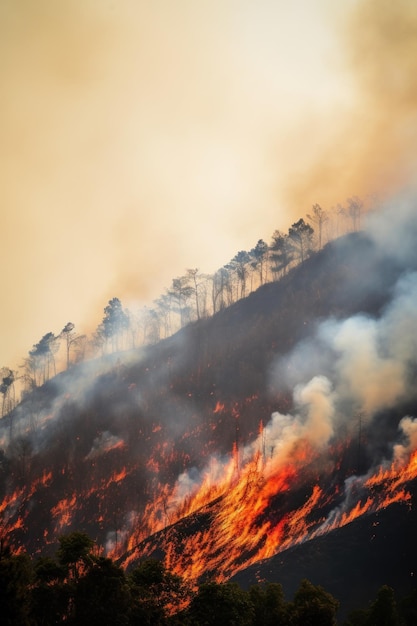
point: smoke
(372, 149)
(104, 443)
(393, 228)
(365, 370)
(103, 136)
(402, 451)
(48, 409)
(369, 358)
(312, 423)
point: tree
(50, 596)
(115, 322)
(7, 378)
(74, 553)
(181, 291)
(300, 236)
(193, 276)
(221, 603)
(383, 611)
(319, 217)
(155, 593)
(354, 210)
(41, 360)
(71, 339)
(15, 579)
(281, 253)
(221, 293)
(259, 255)
(239, 265)
(313, 606)
(269, 605)
(102, 595)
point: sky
(138, 139)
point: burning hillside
(280, 419)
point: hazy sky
(140, 138)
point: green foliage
(50, 594)
(15, 579)
(225, 604)
(79, 588)
(269, 605)
(313, 606)
(155, 593)
(102, 596)
(74, 553)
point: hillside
(282, 418)
(352, 562)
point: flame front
(273, 493)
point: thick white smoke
(368, 358)
(402, 451)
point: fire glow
(265, 497)
(245, 525)
(283, 488)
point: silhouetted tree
(194, 278)
(300, 237)
(41, 360)
(49, 594)
(239, 266)
(155, 593)
(319, 217)
(15, 579)
(313, 606)
(74, 553)
(383, 610)
(102, 596)
(7, 378)
(281, 253)
(71, 338)
(221, 293)
(224, 603)
(259, 254)
(181, 291)
(270, 608)
(115, 322)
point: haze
(139, 139)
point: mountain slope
(280, 419)
(352, 562)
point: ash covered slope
(120, 447)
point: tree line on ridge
(190, 297)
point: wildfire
(243, 528)
(237, 510)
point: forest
(190, 297)
(81, 587)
